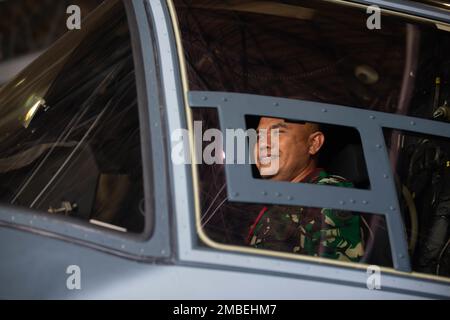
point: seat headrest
(349, 163)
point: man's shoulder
(325, 178)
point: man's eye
(277, 132)
(273, 133)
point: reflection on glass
(315, 50)
(69, 128)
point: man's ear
(316, 141)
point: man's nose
(265, 139)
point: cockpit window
(341, 153)
(69, 128)
(323, 52)
(422, 168)
(308, 231)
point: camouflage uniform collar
(315, 176)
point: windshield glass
(69, 127)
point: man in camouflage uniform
(319, 232)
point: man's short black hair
(319, 126)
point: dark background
(28, 27)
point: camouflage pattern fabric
(318, 232)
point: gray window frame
(380, 199)
(408, 7)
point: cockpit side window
(422, 169)
(289, 228)
(322, 55)
(70, 133)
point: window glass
(321, 51)
(318, 51)
(27, 26)
(422, 167)
(341, 152)
(69, 128)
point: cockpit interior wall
(326, 56)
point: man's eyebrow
(279, 125)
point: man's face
(284, 150)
